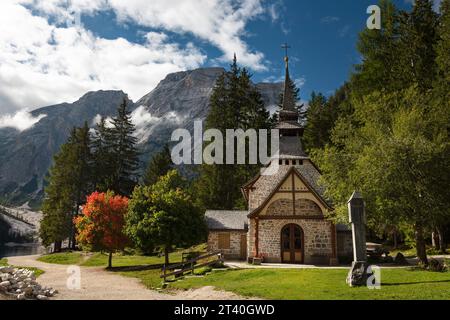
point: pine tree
(122, 152)
(443, 45)
(104, 158)
(69, 182)
(234, 104)
(381, 67)
(317, 129)
(159, 165)
(418, 38)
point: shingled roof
(291, 147)
(227, 220)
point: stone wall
(235, 243)
(265, 185)
(317, 239)
(284, 207)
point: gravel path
(98, 284)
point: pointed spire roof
(288, 114)
(289, 103)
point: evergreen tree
(317, 129)
(159, 165)
(381, 68)
(69, 182)
(443, 44)
(123, 153)
(322, 115)
(235, 104)
(104, 158)
(418, 38)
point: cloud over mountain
(46, 50)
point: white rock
(5, 284)
(6, 270)
(41, 297)
(21, 296)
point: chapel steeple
(288, 117)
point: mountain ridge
(176, 102)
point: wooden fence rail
(189, 266)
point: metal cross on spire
(286, 47)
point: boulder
(6, 270)
(28, 291)
(358, 274)
(4, 277)
(20, 284)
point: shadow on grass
(418, 282)
(136, 268)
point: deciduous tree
(102, 222)
(163, 215)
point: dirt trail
(98, 284)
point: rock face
(21, 284)
(176, 102)
(26, 156)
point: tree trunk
(73, 231)
(421, 248)
(110, 260)
(395, 239)
(73, 242)
(166, 256)
(57, 246)
(435, 241)
(442, 243)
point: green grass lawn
(99, 259)
(323, 284)
(410, 252)
(290, 284)
(119, 260)
(66, 258)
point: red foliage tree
(101, 223)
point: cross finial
(286, 47)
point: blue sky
(64, 48)
(322, 35)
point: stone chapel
(286, 217)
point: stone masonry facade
(234, 252)
(283, 207)
(318, 244)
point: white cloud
(21, 120)
(329, 19)
(43, 64)
(145, 122)
(220, 22)
(46, 59)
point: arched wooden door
(292, 244)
